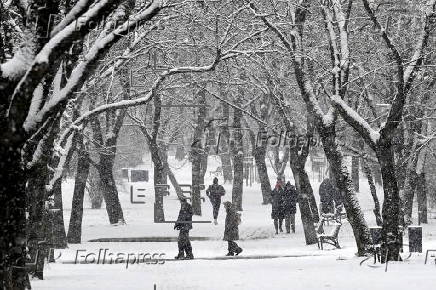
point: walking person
(277, 213)
(231, 231)
(290, 197)
(184, 225)
(215, 192)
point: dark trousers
(232, 247)
(216, 203)
(184, 243)
(290, 222)
(278, 224)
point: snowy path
(268, 261)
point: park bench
(331, 238)
(336, 216)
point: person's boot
(293, 229)
(215, 222)
(238, 251)
(189, 255)
(180, 256)
(230, 254)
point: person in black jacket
(290, 197)
(231, 232)
(277, 213)
(215, 192)
(326, 192)
(184, 225)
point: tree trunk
(355, 172)
(37, 228)
(158, 180)
(226, 160)
(173, 181)
(265, 185)
(421, 190)
(238, 159)
(74, 235)
(94, 190)
(367, 171)
(238, 181)
(304, 189)
(197, 151)
(13, 213)
(391, 205)
(196, 181)
(109, 189)
(343, 181)
(163, 154)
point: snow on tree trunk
(355, 172)
(345, 186)
(391, 204)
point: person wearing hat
(231, 231)
(215, 192)
(184, 225)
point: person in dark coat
(277, 213)
(215, 192)
(184, 225)
(290, 197)
(329, 196)
(231, 231)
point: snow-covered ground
(268, 261)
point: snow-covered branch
(84, 68)
(356, 121)
(79, 8)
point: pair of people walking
(284, 206)
(231, 231)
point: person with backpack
(215, 192)
(231, 231)
(290, 197)
(184, 225)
